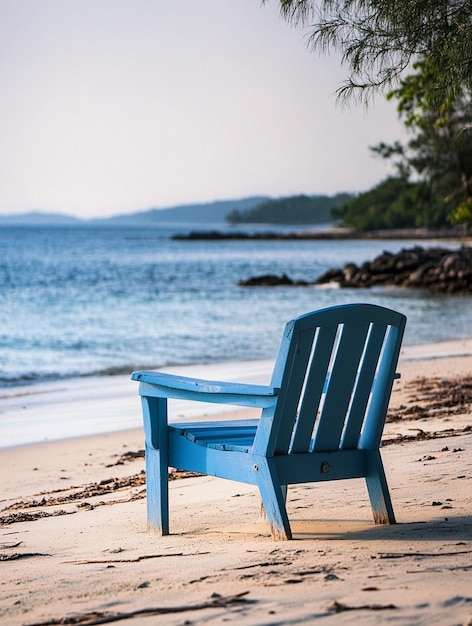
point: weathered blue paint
(322, 416)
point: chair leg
(377, 488)
(284, 489)
(157, 498)
(157, 477)
(273, 500)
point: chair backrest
(335, 369)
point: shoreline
(73, 524)
(321, 233)
(109, 404)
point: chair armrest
(161, 385)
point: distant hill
(208, 212)
(261, 209)
(37, 218)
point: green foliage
(379, 39)
(293, 210)
(394, 203)
(441, 147)
(462, 214)
(438, 156)
(439, 152)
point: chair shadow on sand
(457, 528)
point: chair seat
(229, 435)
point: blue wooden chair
(322, 415)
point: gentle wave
(85, 301)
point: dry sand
(75, 549)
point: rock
(272, 280)
(266, 280)
(437, 269)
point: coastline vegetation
(300, 209)
(420, 54)
(432, 183)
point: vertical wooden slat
(355, 419)
(340, 386)
(267, 431)
(292, 384)
(315, 381)
(375, 419)
(276, 425)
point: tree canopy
(441, 147)
(292, 210)
(394, 203)
(433, 185)
(380, 39)
(418, 52)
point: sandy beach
(75, 549)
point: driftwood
(105, 617)
(422, 555)
(137, 559)
(339, 607)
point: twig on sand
(132, 560)
(339, 607)
(422, 555)
(16, 556)
(105, 617)
(422, 435)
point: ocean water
(88, 300)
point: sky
(113, 106)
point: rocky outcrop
(438, 269)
